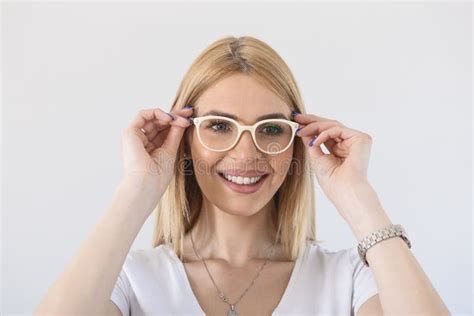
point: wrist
(356, 199)
(139, 191)
(361, 208)
(374, 220)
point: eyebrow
(263, 117)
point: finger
(129, 132)
(147, 115)
(160, 131)
(156, 114)
(333, 132)
(148, 127)
(150, 133)
(182, 115)
(330, 145)
(160, 126)
(185, 112)
(317, 127)
(181, 118)
(160, 137)
(171, 142)
(178, 118)
(306, 119)
(150, 147)
(312, 149)
(152, 128)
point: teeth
(242, 180)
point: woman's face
(247, 99)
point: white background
(74, 75)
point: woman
(230, 176)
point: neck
(233, 239)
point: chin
(240, 209)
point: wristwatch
(384, 233)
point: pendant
(232, 311)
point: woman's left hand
(342, 174)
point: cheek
(204, 162)
(281, 164)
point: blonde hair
(294, 206)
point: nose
(245, 147)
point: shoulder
(149, 258)
(324, 257)
(328, 272)
(316, 249)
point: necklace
(232, 311)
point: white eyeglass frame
(241, 128)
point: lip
(244, 188)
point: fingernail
(312, 141)
(188, 107)
(172, 117)
(299, 128)
(294, 113)
(190, 120)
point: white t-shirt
(323, 282)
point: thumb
(173, 139)
(165, 155)
(315, 151)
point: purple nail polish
(311, 143)
(188, 107)
(297, 130)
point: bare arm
(149, 147)
(86, 284)
(404, 288)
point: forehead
(243, 96)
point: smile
(242, 180)
(243, 184)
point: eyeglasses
(219, 133)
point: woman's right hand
(149, 147)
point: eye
(218, 126)
(271, 129)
